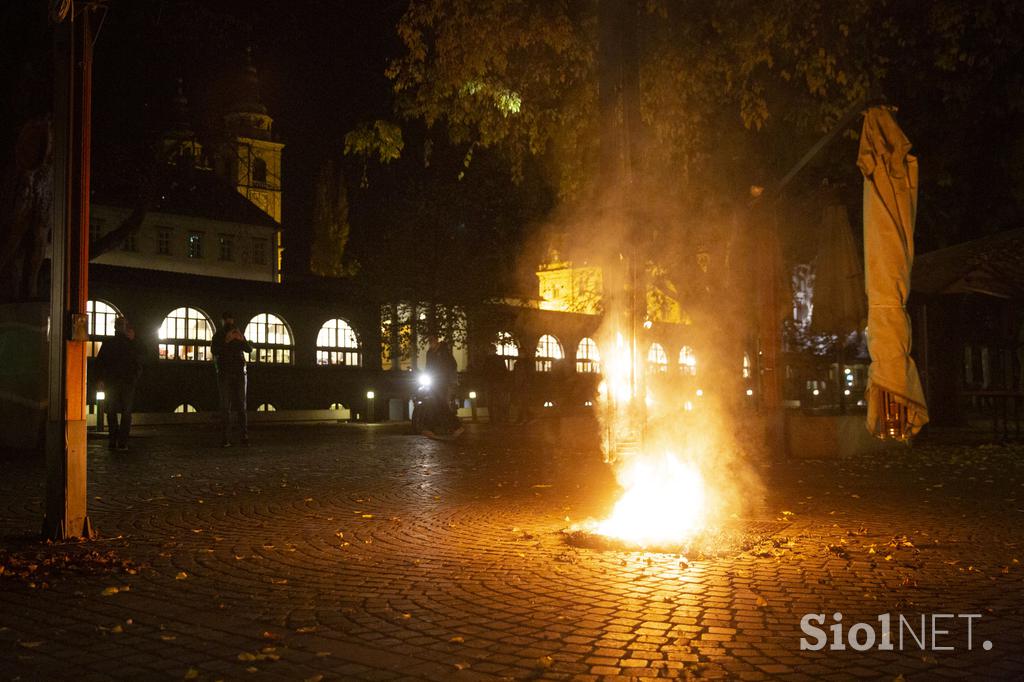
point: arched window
(688, 361)
(507, 349)
(184, 408)
(271, 339)
(185, 335)
(548, 350)
(100, 318)
(746, 366)
(657, 360)
(337, 344)
(587, 358)
(266, 407)
(259, 171)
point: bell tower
(249, 156)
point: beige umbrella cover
(896, 405)
(839, 279)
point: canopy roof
(992, 265)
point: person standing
(443, 370)
(117, 371)
(229, 348)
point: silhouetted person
(444, 374)
(497, 384)
(117, 370)
(522, 373)
(229, 348)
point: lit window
(195, 244)
(184, 408)
(227, 247)
(746, 365)
(100, 318)
(271, 340)
(587, 358)
(163, 241)
(337, 344)
(548, 350)
(266, 407)
(657, 360)
(507, 348)
(259, 251)
(185, 334)
(687, 361)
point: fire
(664, 502)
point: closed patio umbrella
(896, 404)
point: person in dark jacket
(444, 373)
(229, 348)
(117, 371)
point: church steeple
(249, 157)
(179, 144)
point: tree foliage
(729, 89)
(330, 224)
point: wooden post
(66, 502)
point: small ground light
(750, 391)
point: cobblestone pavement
(339, 552)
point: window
(587, 358)
(259, 171)
(227, 244)
(195, 244)
(337, 344)
(271, 339)
(507, 348)
(688, 361)
(184, 408)
(100, 318)
(657, 360)
(185, 335)
(548, 350)
(130, 243)
(163, 241)
(259, 251)
(266, 407)
(746, 366)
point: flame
(664, 502)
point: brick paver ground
(336, 552)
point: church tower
(249, 156)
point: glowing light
(472, 395)
(649, 400)
(370, 395)
(815, 392)
(648, 324)
(750, 391)
(846, 392)
(548, 403)
(688, 406)
(588, 403)
(100, 395)
(847, 371)
(424, 380)
(700, 392)
(663, 503)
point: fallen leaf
(192, 674)
(545, 662)
(246, 656)
(314, 678)
(109, 591)
(182, 575)
(761, 601)
(30, 645)
(168, 638)
(461, 665)
(457, 640)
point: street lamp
(100, 397)
(472, 405)
(370, 395)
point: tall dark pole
(66, 501)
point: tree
(330, 224)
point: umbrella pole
(840, 378)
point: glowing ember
(663, 503)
